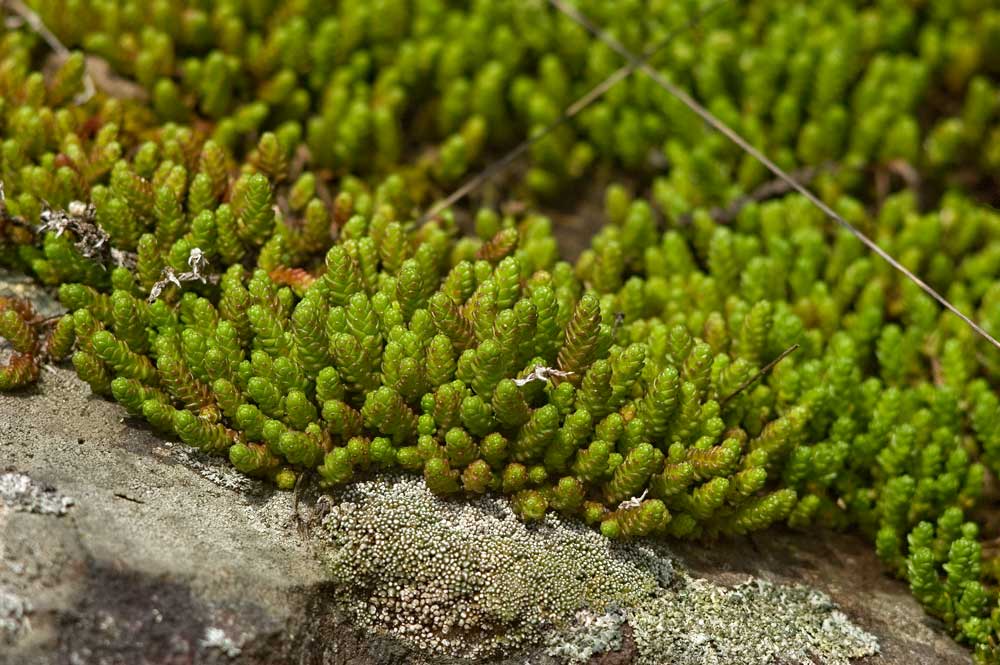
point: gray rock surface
(164, 557)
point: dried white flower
(216, 638)
(92, 241)
(634, 502)
(541, 373)
(196, 261)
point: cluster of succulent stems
(238, 249)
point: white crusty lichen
(14, 612)
(468, 579)
(19, 492)
(698, 622)
(590, 634)
(216, 638)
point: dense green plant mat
(228, 205)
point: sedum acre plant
(229, 219)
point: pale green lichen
(696, 622)
(591, 634)
(470, 580)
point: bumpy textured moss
(232, 223)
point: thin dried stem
(760, 373)
(768, 190)
(35, 22)
(583, 102)
(747, 147)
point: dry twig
(575, 108)
(718, 125)
(761, 372)
(37, 25)
(768, 190)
